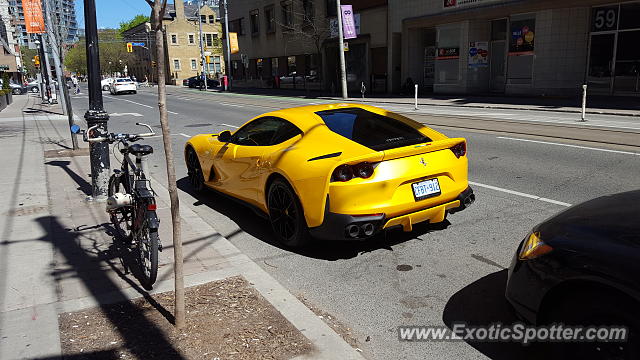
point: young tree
(301, 25)
(158, 8)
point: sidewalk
(604, 105)
(54, 254)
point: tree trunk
(179, 312)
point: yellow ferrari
(339, 171)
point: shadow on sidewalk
(87, 268)
(102, 355)
(483, 303)
(83, 185)
(258, 226)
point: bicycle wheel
(148, 241)
(121, 218)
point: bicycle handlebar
(112, 137)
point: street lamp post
(226, 31)
(98, 152)
(202, 58)
(44, 83)
(343, 75)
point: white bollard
(584, 101)
(416, 97)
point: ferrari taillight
(459, 149)
(347, 172)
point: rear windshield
(124, 80)
(374, 131)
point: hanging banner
(478, 54)
(348, 23)
(33, 20)
(233, 42)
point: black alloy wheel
(194, 171)
(286, 215)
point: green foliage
(113, 54)
(137, 20)
(5, 81)
(4, 92)
(27, 59)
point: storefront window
(630, 16)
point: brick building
(182, 44)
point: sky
(110, 13)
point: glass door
(498, 55)
(599, 76)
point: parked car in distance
(33, 86)
(105, 84)
(196, 82)
(580, 267)
(16, 89)
(123, 85)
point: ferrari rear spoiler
(423, 148)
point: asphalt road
(437, 274)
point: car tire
(594, 308)
(16, 91)
(135, 92)
(105, 88)
(286, 215)
(194, 171)
(35, 90)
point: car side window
(264, 132)
(285, 132)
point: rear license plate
(426, 189)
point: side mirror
(224, 136)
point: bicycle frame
(138, 185)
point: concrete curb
(328, 343)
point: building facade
(10, 59)
(183, 41)
(528, 47)
(63, 15)
(293, 44)
(532, 47)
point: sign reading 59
(604, 18)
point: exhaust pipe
(469, 200)
(353, 231)
(368, 229)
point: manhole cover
(197, 125)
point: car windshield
(374, 131)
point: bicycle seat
(140, 150)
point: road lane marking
(233, 126)
(518, 193)
(227, 104)
(125, 114)
(185, 135)
(171, 112)
(133, 102)
(569, 145)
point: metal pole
(226, 31)
(98, 152)
(50, 86)
(584, 101)
(343, 72)
(416, 96)
(44, 81)
(202, 58)
(64, 92)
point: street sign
(137, 44)
(233, 41)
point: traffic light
(129, 47)
(36, 60)
(208, 59)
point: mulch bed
(226, 319)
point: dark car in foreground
(196, 82)
(582, 267)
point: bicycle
(131, 203)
